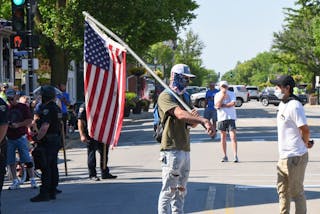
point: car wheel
(239, 102)
(202, 103)
(265, 101)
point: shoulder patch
(2, 108)
(81, 109)
(45, 111)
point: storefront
(6, 56)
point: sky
(236, 30)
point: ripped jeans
(175, 174)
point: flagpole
(88, 16)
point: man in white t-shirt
(293, 144)
(225, 101)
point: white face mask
(279, 94)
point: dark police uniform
(50, 143)
(3, 144)
(92, 147)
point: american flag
(104, 84)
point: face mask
(279, 94)
(180, 82)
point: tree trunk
(59, 65)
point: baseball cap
(223, 83)
(5, 85)
(182, 69)
(11, 92)
(284, 80)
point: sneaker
(33, 183)
(224, 159)
(236, 160)
(109, 176)
(94, 178)
(15, 184)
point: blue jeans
(22, 145)
(175, 174)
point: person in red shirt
(19, 118)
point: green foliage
(161, 54)
(189, 52)
(189, 49)
(5, 9)
(138, 23)
(131, 99)
(300, 38)
(137, 71)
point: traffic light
(18, 41)
(18, 15)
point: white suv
(242, 95)
(253, 92)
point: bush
(131, 100)
(144, 104)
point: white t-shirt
(226, 113)
(290, 117)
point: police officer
(48, 139)
(3, 143)
(92, 147)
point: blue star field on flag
(95, 51)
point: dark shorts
(210, 114)
(227, 125)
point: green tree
(189, 50)
(139, 24)
(299, 39)
(163, 54)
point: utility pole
(29, 29)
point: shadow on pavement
(139, 197)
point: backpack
(157, 125)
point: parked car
(253, 92)
(195, 89)
(198, 99)
(267, 97)
(303, 98)
(241, 92)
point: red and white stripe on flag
(104, 85)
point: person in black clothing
(92, 147)
(3, 143)
(48, 141)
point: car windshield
(252, 88)
(270, 90)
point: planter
(145, 104)
(137, 109)
(126, 111)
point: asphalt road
(214, 187)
